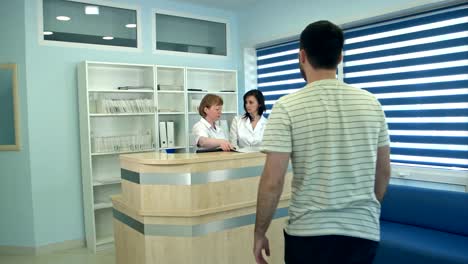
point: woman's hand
(225, 145)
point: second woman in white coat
(247, 130)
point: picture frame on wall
(9, 108)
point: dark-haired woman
(247, 130)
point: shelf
(170, 91)
(121, 114)
(98, 206)
(227, 112)
(171, 113)
(121, 91)
(176, 147)
(121, 152)
(104, 240)
(224, 93)
(108, 181)
(211, 92)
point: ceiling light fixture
(108, 38)
(130, 26)
(63, 18)
(47, 33)
(92, 10)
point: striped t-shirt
(332, 131)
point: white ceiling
(233, 5)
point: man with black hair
(336, 137)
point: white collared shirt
(204, 129)
(242, 134)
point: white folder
(170, 134)
(162, 135)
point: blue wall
(53, 113)
(263, 23)
(16, 207)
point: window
(278, 71)
(190, 35)
(70, 21)
(417, 66)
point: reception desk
(192, 208)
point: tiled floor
(73, 256)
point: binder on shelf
(162, 135)
(170, 134)
(134, 88)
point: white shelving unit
(121, 120)
(219, 82)
(112, 121)
(171, 99)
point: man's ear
(302, 55)
(340, 59)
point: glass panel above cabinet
(72, 21)
(191, 35)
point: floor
(72, 256)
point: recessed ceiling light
(47, 33)
(130, 25)
(63, 18)
(92, 10)
(108, 38)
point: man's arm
(269, 192)
(382, 172)
(270, 189)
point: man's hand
(261, 243)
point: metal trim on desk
(192, 178)
(191, 230)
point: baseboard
(70, 244)
(17, 251)
(50, 248)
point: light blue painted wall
(53, 107)
(16, 220)
(263, 23)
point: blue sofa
(424, 226)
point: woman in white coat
(206, 133)
(247, 130)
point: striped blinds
(417, 66)
(278, 71)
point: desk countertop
(156, 158)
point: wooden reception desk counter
(192, 208)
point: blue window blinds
(278, 71)
(417, 66)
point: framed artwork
(9, 108)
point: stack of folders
(115, 106)
(121, 143)
(166, 134)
